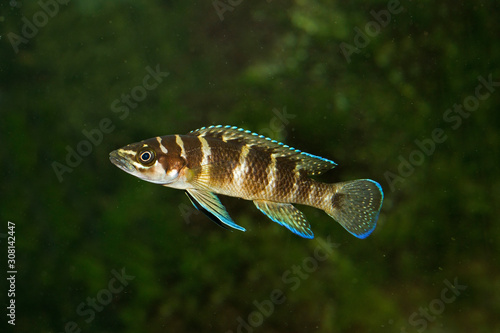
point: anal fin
(286, 215)
(210, 205)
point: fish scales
(193, 149)
(257, 176)
(237, 169)
(285, 178)
(231, 161)
(243, 171)
(222, 160)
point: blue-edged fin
(206, 212)
(286, 215)
(311, 164)
(210, 205)
(356, 205)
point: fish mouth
(121, 161)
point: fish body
(234, 162)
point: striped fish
(231, 161)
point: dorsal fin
(313, 165)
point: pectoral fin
(286, 215)
(210, 205)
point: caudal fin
(356, 205)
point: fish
(231, 161)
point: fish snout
(121, 161)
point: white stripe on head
(122, 152)
(180, 143)
(162, 147)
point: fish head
(149, 160)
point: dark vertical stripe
(192, 147)
(225, 157)
(304, 188)
(169, 143)
(285, 176)
(258, 161)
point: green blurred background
(277, 68)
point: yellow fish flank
(231, 161)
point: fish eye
(146, 156)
